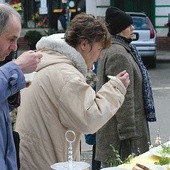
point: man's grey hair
(6, 11)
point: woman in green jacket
(127, 131)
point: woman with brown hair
(59, 99)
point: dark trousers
(95, 164)
(17, 141)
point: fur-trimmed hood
(54, 44)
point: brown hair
(87, 27)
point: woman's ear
(84, 44)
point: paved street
(163, 56)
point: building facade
(51, 13)
(162, 16)
(46, 13)
(56, 14)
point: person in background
(168, 25)
(127, 131)
(59, 99)
(11, 79)
(62, 19)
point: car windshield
(140, 23)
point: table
(144, 159)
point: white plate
(156, 167)
(113, 168)
(65, 166)
(157, 151)
(150, 166)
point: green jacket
(128, 129)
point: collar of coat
(53, 43)
(121, 40)
(116, 39)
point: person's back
(43, 130)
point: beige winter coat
(60, 99)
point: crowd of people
(62, 96)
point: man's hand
(123, 76)
(28, 61)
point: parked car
(144, 38)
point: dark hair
(87, 27)
(6, 11)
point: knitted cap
(117, 20)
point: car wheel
(149, 62)
(152, 62)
